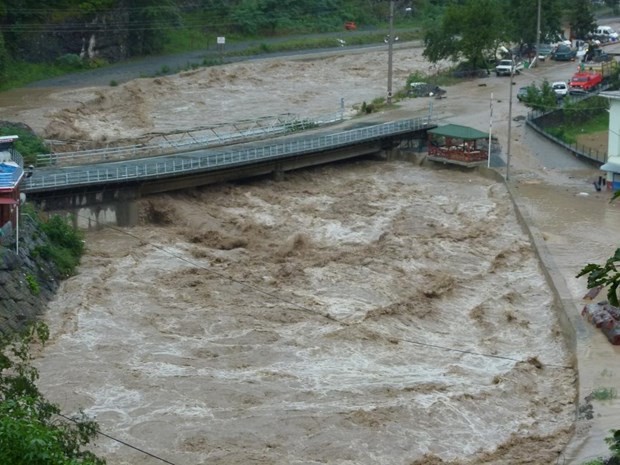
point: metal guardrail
(194, 142)
(196, 161)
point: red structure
(11, 173)
(459, 145)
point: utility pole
(390, 42)
(509, 121)
(537, 33)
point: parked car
(424, 89)
(607, 32)
(585, 81)
(596, 55)
(544, 51)
(564, 53)
(560, 88)
(526, 93)
(508, 67)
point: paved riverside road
(152, 65)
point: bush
(29, 145)
(65, 245)
(33, 284)
(32, 430)
(70, 61)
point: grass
(569, 132)
(33, 284)
(603, 393)
(64, 246)
(21, 73)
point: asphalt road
(152, 65)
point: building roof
(611, 94)
(456, 131)
(613, 165)
(10, 175)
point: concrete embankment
(27, 280)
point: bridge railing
(204, 160)
(193, 141)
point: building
(459, 145)
(11, 173)
(612, 166)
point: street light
(512, 72)
(390, 42)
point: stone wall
(27, 282)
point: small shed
(11, 173)
(612, 170)
(612, 166)
(459, 145)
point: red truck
(585, 81)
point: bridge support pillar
(127, 213)
(278, 172)
(392, 154)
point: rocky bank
(27, 280)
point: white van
(606, 32)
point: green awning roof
(459, 132)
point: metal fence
(204, 160)
(192, 140)
(576, 149)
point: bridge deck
(192, 162)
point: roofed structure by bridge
(459, 145)
(11, 173)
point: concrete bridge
(106, 193)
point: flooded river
(361, 313)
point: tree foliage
(581, 18)
(605, 275)
(470, 30)
(541, 98)
(32, 429)
(64, 247)
(523, 15)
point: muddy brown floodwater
(360, 313)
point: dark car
(564, 53)
(544, 51)
(526, 93)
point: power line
(119, 441)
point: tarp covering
(613, 165)
(456, 131)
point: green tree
(541, 98)
(581, 18)
(605, 275)
(146, 19)
(4, 58)
(470, 30)
(32, 429)
(523, 16)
